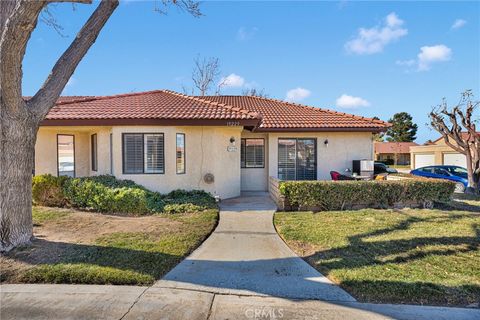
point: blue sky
(366, 58)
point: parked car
(456, 174)
(380, 167)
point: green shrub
(182, 208)
(196, 197)
(112, 182)
(90, 194)
(47, 190)
(109, 195)
(339, 195)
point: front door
(297, 159)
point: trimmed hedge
(342, 195)
(110, 195)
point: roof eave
(151, 122)
(323, 129)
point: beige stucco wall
(255, 179)
(343, 147)
(206, 152)
(103, 150)
(438, 150)
(46, 150)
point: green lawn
(396, 256)
(91, 248)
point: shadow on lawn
(44, 253)
(362, 253)
(456, 205)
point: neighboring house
(222, 144)
(436, 153)
(398, 153)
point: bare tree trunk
(18, 135)
(473, 174)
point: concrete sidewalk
(78, 302)
(245, 256)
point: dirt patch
(56, 230)
(85, 227)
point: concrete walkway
(88, 302)
(245, 256)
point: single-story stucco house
(222, 144)
(398, 153)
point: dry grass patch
(80, 247)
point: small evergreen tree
(403, 129)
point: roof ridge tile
(95, 98)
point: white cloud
(407, 63)
(244, 34)
(373, 40)
(232, 81)
(458, 24)
(428, 55)
(432, 54)
(297, 94)
(350, 102)
(393, 21)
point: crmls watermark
(264, 313)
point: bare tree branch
(67, 63)
(205, 73)
(190, 6)
(18, 23)
(47, 17)
(254, 92)
(458, 130)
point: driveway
(245, 256)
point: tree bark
(18, 135)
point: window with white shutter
(143, 153)
(252, 153)
(153, 153)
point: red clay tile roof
(153, 107)
(284, 116)
(465, 135)
(158, 104)
(393, 147)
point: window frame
(143, 152)
(74, 157)
(184, 153)
(111, 154)
(94, 152)
(243, 148)
(296, 156)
